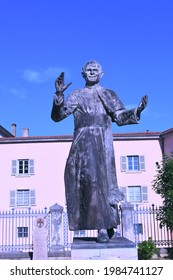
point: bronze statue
(91, 187)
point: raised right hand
(59, 84)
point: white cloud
(19, 93)
(16, 91)
(42, 75)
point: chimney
(25, 132)
(13, 129)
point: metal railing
(147, 225)
(16, 229)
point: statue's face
(92, 73)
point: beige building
(32, 168)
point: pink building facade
(32, 168)
(167, 140)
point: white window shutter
(144, 190)
(12, 198)
(31, 166)
(142, 163)
(124, 191)
(32, 197)
(14, 167)
(123, 163)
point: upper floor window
(132, 163)
(23, 167)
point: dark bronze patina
(91, 188)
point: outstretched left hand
(142, 105)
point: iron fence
(147, 225)
(16, 228)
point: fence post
(127, 221)
(135, 221)
(56, 238)
(154, 221)
(12, 228)
(67, 245)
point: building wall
(48, 180)
(168, 144)
(50, 158)
(151, 150)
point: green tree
(163, 185)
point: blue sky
(132, 40)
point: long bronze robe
(90, 174)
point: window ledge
(134, 172)
(22, 206)
(22, 175)
(140, 203)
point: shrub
(147, 249)
(170, 253)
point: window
(79, 233)
(138, 228)
(22, 231)
(132, 163)
(22, 167)
(23, 197)
(135, 194)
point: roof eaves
(4, 132)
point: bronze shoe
(102, 236)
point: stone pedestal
(127, 221)
(56, 228)
(119, 248)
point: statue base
(118, 248)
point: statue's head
(92, 72)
